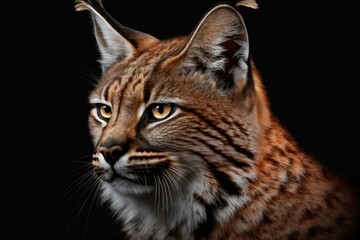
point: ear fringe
(248, 3)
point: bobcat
(186, 145)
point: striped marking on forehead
(125, 84)
(128, 87)
(158, 56)
(139, 72)
(110, 91)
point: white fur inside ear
(112, 45)
(218, 42)
(239, 74)
(243, 50)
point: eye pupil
(160, 108)
(161, 111)
(107, 109)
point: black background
(307, 53)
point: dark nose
(112, 154)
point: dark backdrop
(307, 52)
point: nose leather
(112, 154)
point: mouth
(144, 177)
(130, 185)
(116, 175)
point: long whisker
(91, 205)
(89, 78)
(178, 173)
(160, 196)
(174, 183)
(91, 184)
(66, 192)
(167, 181)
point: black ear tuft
(116, 42)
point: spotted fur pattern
(216, 164)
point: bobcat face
(144, 121)
(135, 122)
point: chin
(125, 188)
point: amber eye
(161, 110)
(104, 111)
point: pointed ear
(116, 42)
(219, 46)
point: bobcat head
(156, 96)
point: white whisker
(91, 204)
(174, 183)
(69, 191)
(167, 191)
(90, 188)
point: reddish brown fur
(241, 173)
